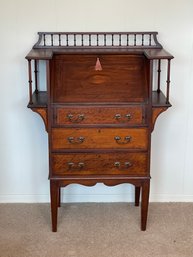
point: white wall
(23, 141)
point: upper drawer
(101, 138)
(98, 115)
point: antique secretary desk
(104, 93)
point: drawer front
(101, 138)
(98, 115)
(100, 164)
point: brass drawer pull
(72, 165)
(117, 116)
(78, 140)
(125, 118)
(126, 165)
(78, 119)
(117, 164)
(81, 164)
(128, 116)
(126, 140)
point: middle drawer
(101, 138)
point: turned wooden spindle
(127, 39)
(149, 39)
(30, 81)
(67, 39)
(52, 40)
(105, 40)
(59, 38)
(142, 40)
(36, 75)
(168, 82)
(44, 36)
(135, 39)
(158, 76)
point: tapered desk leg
(137, 195)
(144, 204)
(54, 195)
(59, 197)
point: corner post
(159, 73)
(30, 81)
(36, 75)
(168, 82)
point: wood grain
(87, 143)
(99, 115)
(99, 138)
(104, 164)
(122, 78)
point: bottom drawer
(99, 164)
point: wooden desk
(99, 108)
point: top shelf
(98, 42)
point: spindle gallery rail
(98, 40)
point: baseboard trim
(68, 198)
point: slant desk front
(99, 107)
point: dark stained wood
(159, 100)
(150, 47)
(157, 54)
(39, 99)
(30, 81)
(91, 180)
(36, 65)
(137, 195)
(99, 108)
(99, 138)
(168, 82)
(54, 192)
(99, 164)
(127, 40)
(43, 54)
(159, 75)
(59, 197)
(144, 203)
(47, 54)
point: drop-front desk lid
(98, 78)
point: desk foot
(54, 193)
(144, 204)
